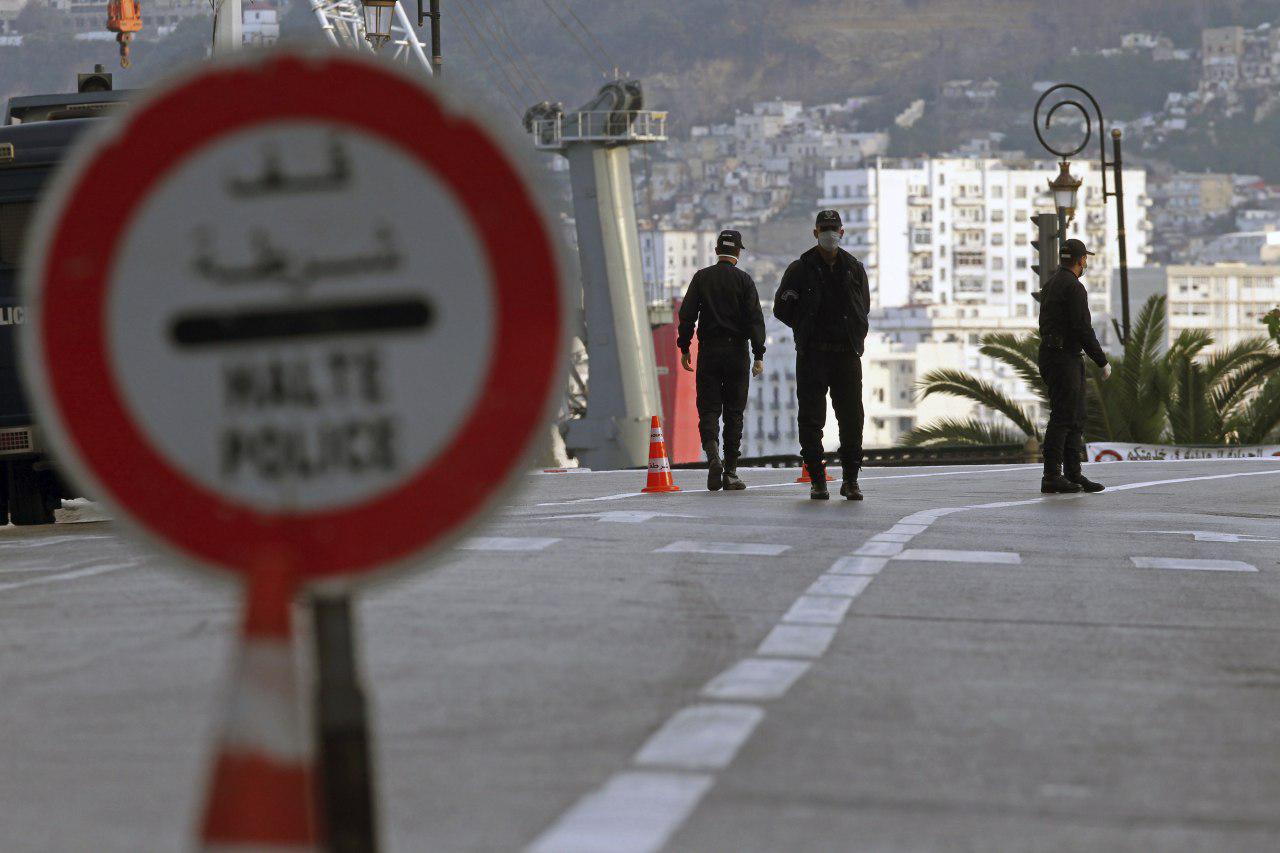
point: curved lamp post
(1061, 185)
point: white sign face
(326, 340)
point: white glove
(1106, 372)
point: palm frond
(957, 432)
(1020, 353)
(957, 383)
(1259, 421)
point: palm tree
(1130, 406)
(1019, 354)
(1189, 395)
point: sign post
(318, 287)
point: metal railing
(621, 126)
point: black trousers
(723, 382)
(1064, 437)
(840, 373)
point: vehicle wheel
(26, 501)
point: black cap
(828, 219)
(1073, 249)
(729, 243)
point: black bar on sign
(317, 321)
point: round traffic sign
(299, 309)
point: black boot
(849, 488)
(1053, 483)
(730, 479)
(818, 485)
(715, 468)
(1084, 482)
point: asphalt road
(955, 664)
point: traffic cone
(804, 475)
(260, 796)
(659, 468)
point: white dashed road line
(87, 572)
(1192, 565)
(700, 737)
(742, 549)
(935, 555)
(637, 812)
(507, 543)
(756, 680)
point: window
(1022, 287)
(1020, 311)
(997, 216)
(1020, 192)
(997, 239)
(1022, 263)
(997, 191)
(1020, 239)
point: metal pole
(437, 60)
(346, 779)
(1117, 163)
(228, 21)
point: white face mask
(829, 240)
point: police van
(36, 136)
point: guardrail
(889, 457)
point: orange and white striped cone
(260, 797)
(804, 475)
(660, 479)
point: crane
(124, 18)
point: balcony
(621, 127)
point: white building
(668, 260)
(1227, 300)
(957, 231)
(261, 25)
(908, 343)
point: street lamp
(1065, 188)
(377, 21)
(1060, 184)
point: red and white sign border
(82, 410)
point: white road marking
(701, 737)
(507, 543)
(892, 537)
(1192, 565)
(859, 565)
(818, 610)
(850, 586)
(937, 555)
(86, 572)
(619, 817)
(621, 516)
(747, 549)
(634, 812)
(1209, 535)
(879, 549)
(798, 641)
(756, 680)
(23, 544)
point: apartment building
(957, 231)
(668, 260)
(1227, 300)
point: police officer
(724, 303)
(824, 298)
(1066, 329)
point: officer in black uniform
(724, 303)
(1066, 330)
(824, 298)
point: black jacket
(799, 298)
(1066, 326)
(725, 304)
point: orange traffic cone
(260, 794)
(804, 475)
(659, 468)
